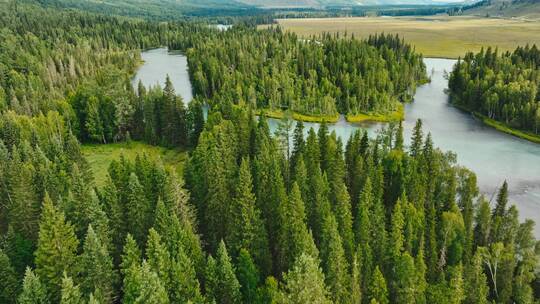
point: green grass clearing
(100, 156)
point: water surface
(158, 63)
(493, 155)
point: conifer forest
(264, 210)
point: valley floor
(434, 36)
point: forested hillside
(323, 76)
(256, 217)
(80, 65)
(503, 87)
(527, 9)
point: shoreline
(394, 116)
(398, 115)
(277, 114)
(500, 126)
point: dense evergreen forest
(503, 87)
(256, 217)
(322, 76)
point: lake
(493, 155)
(158, 63)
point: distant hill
(528, 9)
(164, 9)
(333, 3)
(160, 7)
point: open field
(100, 156)
(434, 36)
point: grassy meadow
(433, 36)
(100, 156)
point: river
(493, 155)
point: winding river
(493, 155)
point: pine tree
(334, 262)
(294, 236)
(152, 290)
(70, 292)
(248, 277)
(94, 123)
(404, 279)
(417, 138)
(455, 282)
(9, 285)
(363, 229)
(356, 279)
(248, 230)
(397, 240)
(33, 292)
(56, 248)
(499, 214)
(476, 289)
(420, 276)
(221, 282)
(184, 283)
(158, 259)
(378, 290)
(138, 209)
(115, 212)
(211, 279)
(131, 256)
(217, 215)
(298, 145)
(399, 137)
(97, 267)
(323, 145)
(304, 282)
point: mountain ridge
(526, 9)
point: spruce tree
(158, 259)
(378, 289)
(138, 209)
(9, 285)
(221, 282)
(248, 229)
(116, 213)
(248, 277)
(70, 292)
(398, 145)
(131, 255)
(152, 290)
(476, 288)
(304, 282)
(294, 236)
(97, 270)
(299, 145)
(33, 292)
(404, 279)
(184, 283)
(56, 249)
(334, 262)
(417, 139)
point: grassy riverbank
(506, 129)
(433, 36)
(100, 156)
(297, 116)
(500, 126)
(397, 115)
